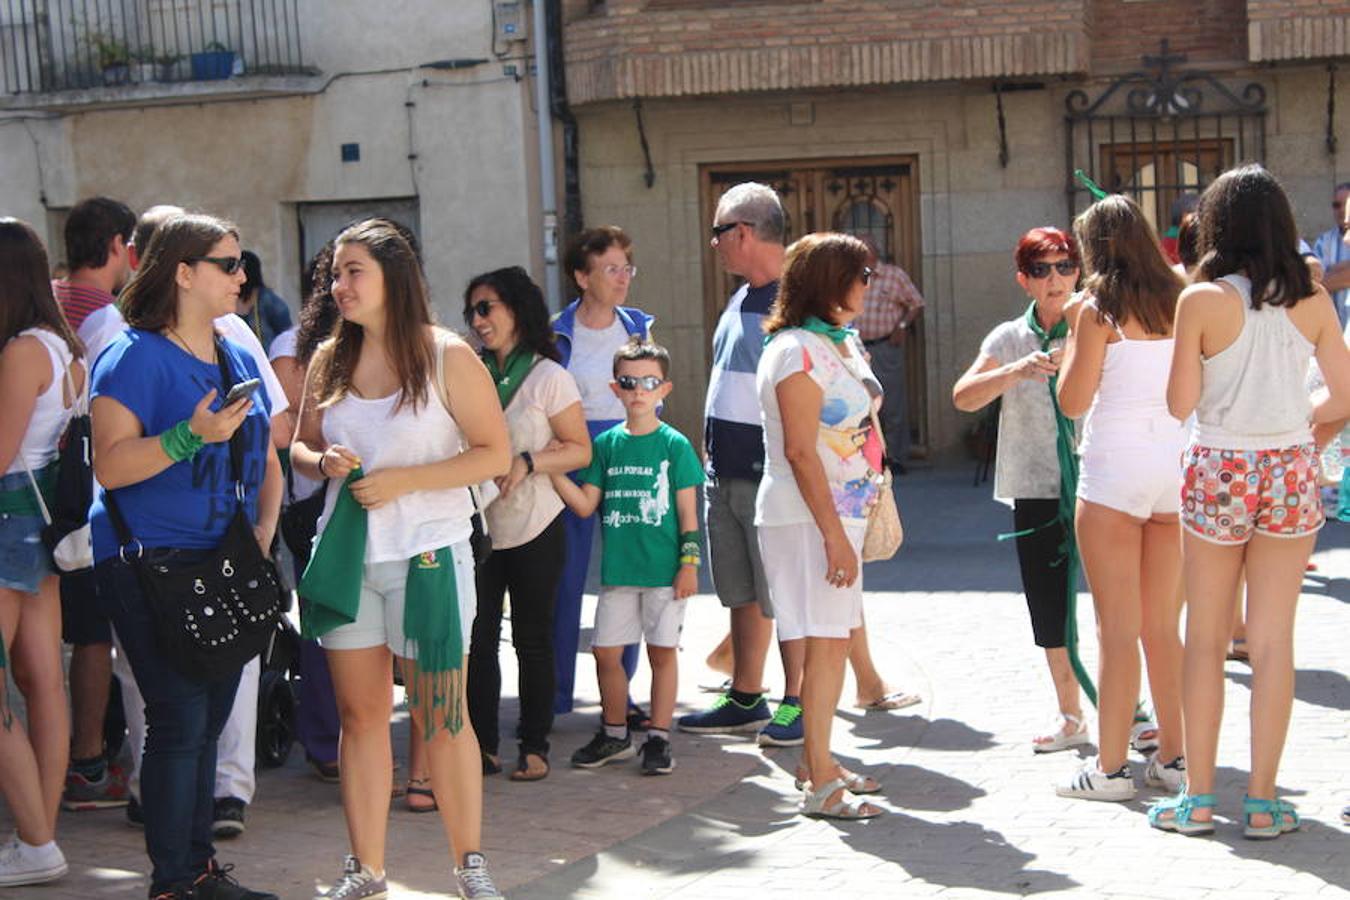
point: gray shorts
(733, 549)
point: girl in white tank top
(1245, 332)
(40, 355)
(373, 399)
(1114, 370)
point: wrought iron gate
(1158, 133)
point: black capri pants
(1045, 577)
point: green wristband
(689, 546)
(179, 443)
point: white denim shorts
(379, 618)
(805, 603)
(625, 615)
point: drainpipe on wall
(548, 191)
(563, 113)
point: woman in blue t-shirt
(161, 444)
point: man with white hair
(747, 232)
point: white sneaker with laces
(22, 863)
(1091, 783)
(1171, 777)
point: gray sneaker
(357, 883)
(473, 880)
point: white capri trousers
(805, 604)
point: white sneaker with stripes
(1091, 783)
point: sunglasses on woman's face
(633, 382)
(476, 310)
(1042, 269)
(227, 264)
(867, 274)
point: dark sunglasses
(1042, 269)
(227, 264)
(476, 310)
(632, 382)
(867, 274)
(719, 230)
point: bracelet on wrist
(691, 561)
(321, 458)
(179, 443)
(529, 462)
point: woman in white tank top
(373, 399)
(1115, 371)
(1245, 333)
(40, 378)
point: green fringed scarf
(836, 333)
(1065, 448)
(331, 586)
(509, 378)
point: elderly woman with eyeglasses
(1015, 362)
(589, 331)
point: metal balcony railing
(61, 45)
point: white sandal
(814, 804)
(1057, 739)
(854, 782)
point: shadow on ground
(1321, 687)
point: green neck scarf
(331, 587)
(510, 377)
(836, 333)
(1066, 449)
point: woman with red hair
(1015, 362)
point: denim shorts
(23, 558)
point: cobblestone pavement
(972, 810)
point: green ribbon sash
(1066, 450)
(331, 586)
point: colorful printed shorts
(1229, 495)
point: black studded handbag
(212, 615)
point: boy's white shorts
(625, 615)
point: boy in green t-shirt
(643, 475)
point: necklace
(186, 345)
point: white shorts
(625, 615)
(805, 603)
(1138, 480)
(379, 618)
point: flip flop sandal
(1283, 818)
(854, 782)
(522, 771)
(892, 701)
(1237, 651)
(416, 791)
(1056, 739)
(814, 804)
(1181, 808)
(638, 720)
(711, 688)
(491, 766)
(1144, 736)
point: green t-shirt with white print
(638, 477)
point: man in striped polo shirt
(748, 231)
(97, 233)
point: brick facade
(641, 48)
(1297, 29)
(1208, 31)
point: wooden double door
(874, 196)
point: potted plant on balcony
(166, 65)
(213, 63)
(114, 58)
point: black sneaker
(216, 883)
(229, 817)
(656, 758)
(603, 749)
(135, 815)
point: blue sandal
(1283, 818)
(1181, 807)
